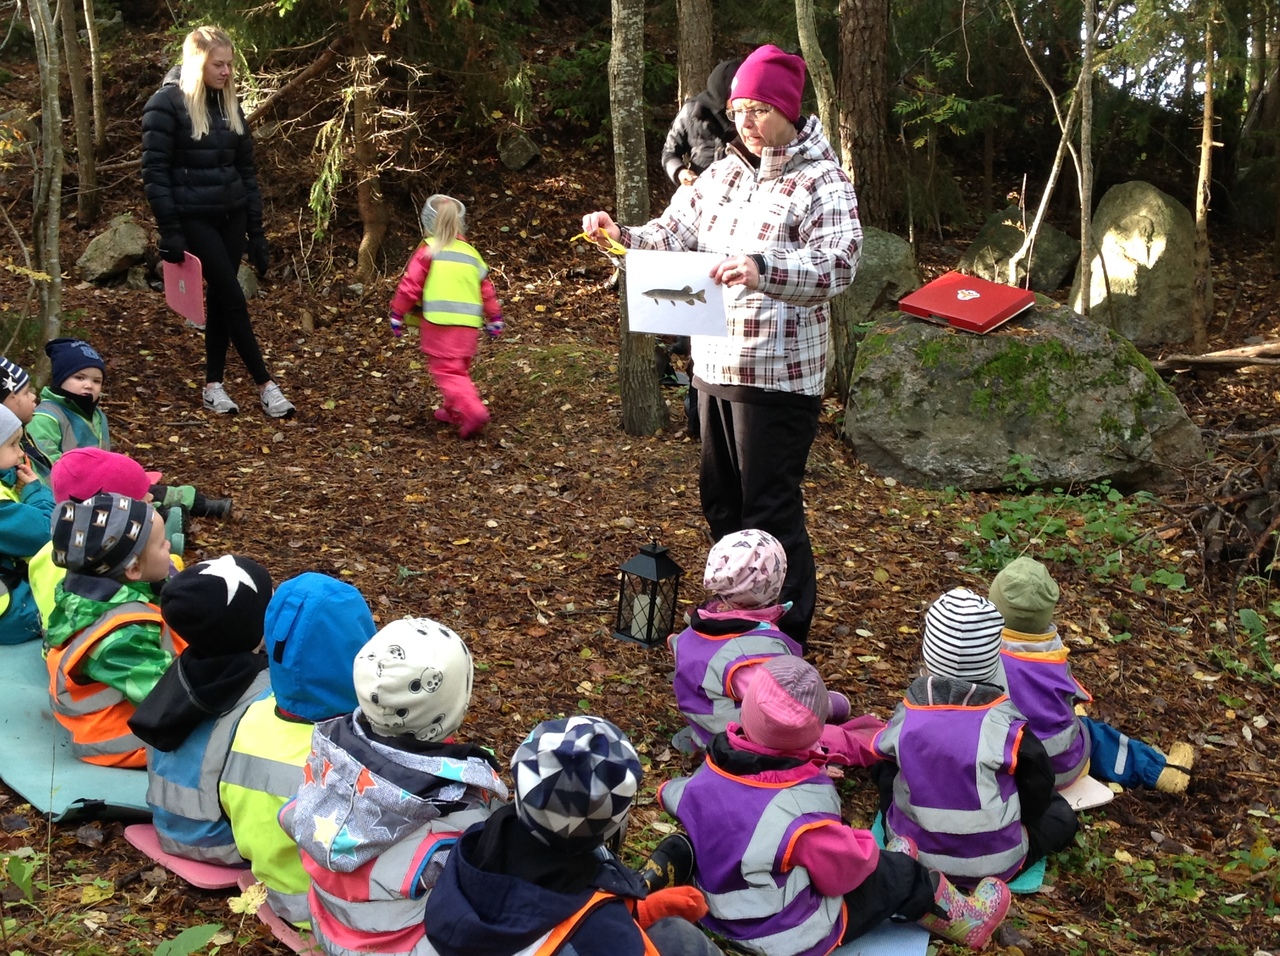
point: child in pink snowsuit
(447, 289)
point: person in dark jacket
(199, 177)
(701, 130)
(539, 866)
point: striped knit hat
(962, 637)
(13, 378)
(785, 705)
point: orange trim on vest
(98, 728)
(560, 935)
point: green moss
(1022, 376)
(874, 345)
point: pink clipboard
(184, 289)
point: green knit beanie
(1025, 595)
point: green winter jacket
(59, 426)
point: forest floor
(514, 540)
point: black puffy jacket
(184, 177)
(701, 130)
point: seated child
(730, 635)
(537, 870)
(1041, 684)
(19, 396)
(190, 716)
(385, 791)
(25, 508)
(782, 874)
(312, 621)
(70, 416)
(106, 644)
(966, 782)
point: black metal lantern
(647, 597)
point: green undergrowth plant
(1096, 527)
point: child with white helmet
(732, 634)
(386, 791)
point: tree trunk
(693, 55)
(1086, 152)
(643, 410)
(46, 198)
(87, 199)
(374, 214)
(864, 80)
(95, 72)
(819, 71)
(1202, 279)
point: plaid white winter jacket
(797, 210)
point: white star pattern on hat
(231, 573)
(10, 384)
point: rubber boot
(671, 864)
(1177, 769)
(967, 920)
(176, 526)
(904, 845)
(204, 507)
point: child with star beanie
(538, 869)
(1038, 675)
(190, 717)
(956, 722)
(387, 791)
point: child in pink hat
(782, 874)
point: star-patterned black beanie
(13, 378)
(218, 606)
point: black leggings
(219, 244)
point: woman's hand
(737, 270)
(593, 223)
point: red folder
(967, 302)
(184, 289)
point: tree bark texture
(864, 111)
(1201, 262)
(87, 199)
(693, 55)
(1085, 90)
(95, 74)
(643, 410)
(819, 71)
(374, 215)
(46, 199)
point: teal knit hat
(1025, 596)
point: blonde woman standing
(199, 177)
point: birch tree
(643, 410)
(95, 73)
(693, 46)
(46, 197)
(1201, 261)
(819, 72)
(87, 199)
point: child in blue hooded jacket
(25, 509)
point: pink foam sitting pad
(298, 940)
(1085, 793)
(207, 876)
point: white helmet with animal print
(414, 677)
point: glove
(259, 254)
(494, 327)
(686, 902)
(173, 245)
(397, 324)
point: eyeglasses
(753, 113)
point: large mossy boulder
(112, 252)
(938, 408)
(1140, 283)
(1053, 257)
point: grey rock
(517, 150)
(933, 407)
(137, 279)
(248, 281)
(1141, 279)
(112, 252)
(1053, 257)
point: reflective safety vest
(43, 576)
(451, 294)
(77, 431)
(1042, 687)
(263, 772)
(378, 908)
(182, 786)
(96, 715)
(551, 943)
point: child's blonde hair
(443, 220)
(196, 48)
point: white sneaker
(274, 403)
(217, 400)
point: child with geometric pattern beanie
(106, 644)
(732, 634)
(1038, 676)
(963, 778)
(189, 719)
(783, 875)
(537, 873)
(387, 791)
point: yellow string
(614, 248)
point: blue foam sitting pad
(35, 751)
(888, 939)
(1025, 883)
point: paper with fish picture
(672, 293)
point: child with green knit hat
(1039, 681)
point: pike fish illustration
(685, 295)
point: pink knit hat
(771, 76)
(84, 472)
(786, 705)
